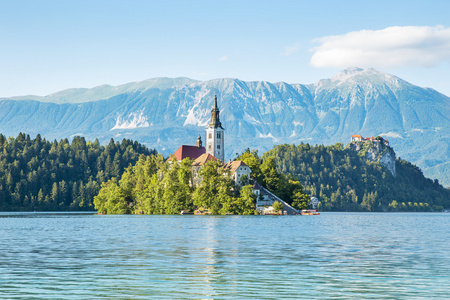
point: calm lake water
(334, 255)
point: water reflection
(370, 256)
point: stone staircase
(286, 207)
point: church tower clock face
(215, 134)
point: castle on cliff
(375, 149)
(359, 138)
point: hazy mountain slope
(80, 95)
(165, 113)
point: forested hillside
(38, 175)
(344, 180)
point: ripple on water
(334, 255)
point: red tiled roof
(193, 152)
(357, 136)
(232, 166)
(370, 138)
(204, 158)
(256, 186)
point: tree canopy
(346, 181)
(265, 172)
(153, 186)
(39, 175)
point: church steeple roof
(215, 101)
(215, 120)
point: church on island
(215, 150)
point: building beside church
(239, 170)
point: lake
(334, 255)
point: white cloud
(388, 48)
(288, 50)
(223, 58)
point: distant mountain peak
(368, 73)
(346, 73)
(358, 76)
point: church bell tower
(214, 134)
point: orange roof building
(204, 158)
(359, 138)
(234, 165)
(356, 138)
(238, 168)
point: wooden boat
(309, 212)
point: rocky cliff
(376, 150)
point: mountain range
(164, 113)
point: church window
(218, 135)
(218, 146)
(209, 147)
(210, 135)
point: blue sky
(47, 46)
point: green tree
(300, 201)
(246, 203)
(111, 199)
(393, 205)
(277, 206)
(215, 189)
(252, 159)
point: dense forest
(126, 177)
(39, 175)
(344, 180)
(153, 186)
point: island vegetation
(155, 186)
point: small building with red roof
(357, 138)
